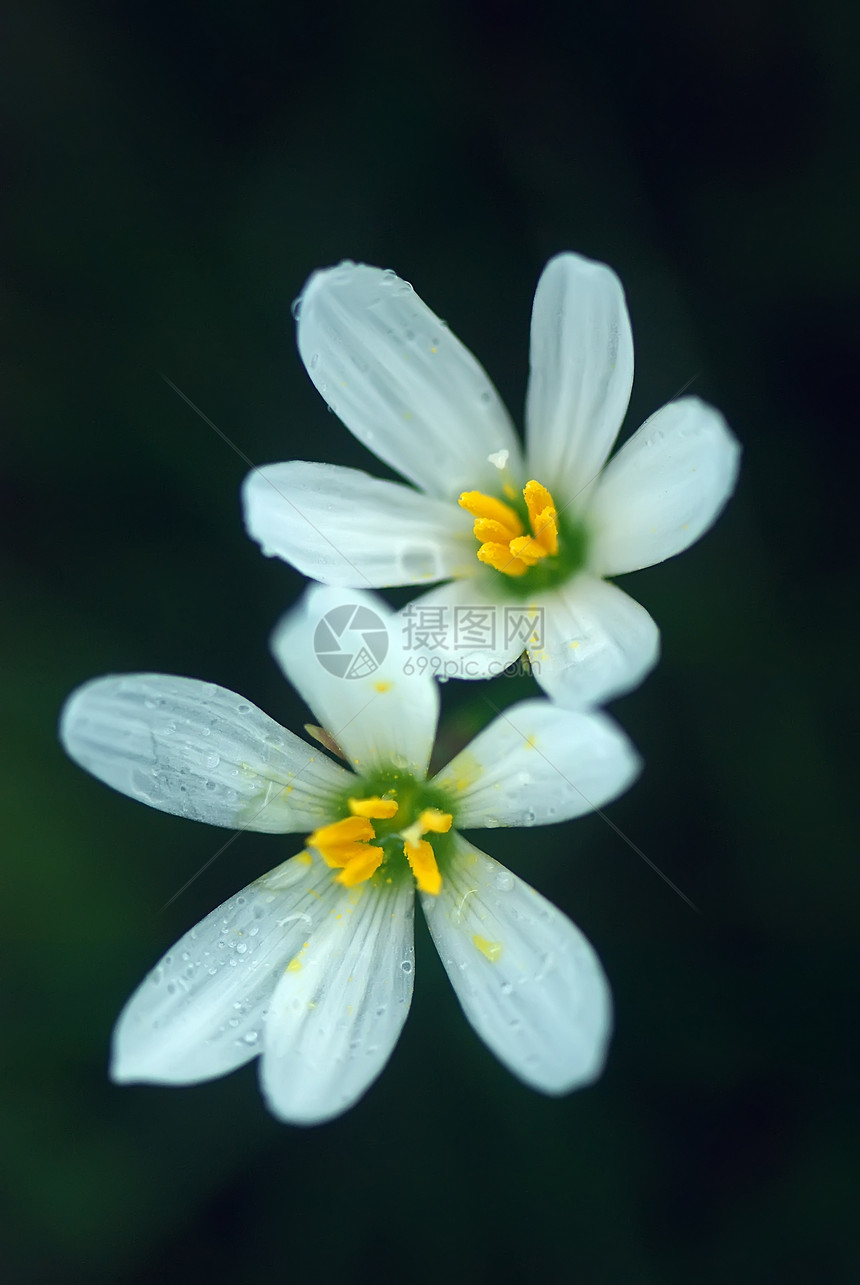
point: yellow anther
(418, 851)
(346, 853)
(344, 844)
(503, 542)
(537, 498)
(500, 557)
(423, 862)
(375, 807)
(361, 866)
(488, 529)
(434, 821)
(487, 506)
(546, 530)
(349, 830)
(526, 548)
(542, 515)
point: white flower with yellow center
(540, 533)
(311, 966)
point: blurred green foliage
(174, 173)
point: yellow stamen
(527, 549)
(503, 542)
(487, 506)
(361, 866)
(349, 830)
(375, 807)
(537, 498)
(542, 515)
(423, 862)
(418, 851)
(488, 529)
(546, 530)
(500, 557)
(345, 842)
(434, 821)
(344, 853)
(344, 845)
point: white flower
(549, 528)
(311, 966)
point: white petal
(461, 630)
(343, 650)
(664, 488)
(335, 1020)
(581, 373)
(202, 1010)
(598, 643)
(197, 750)
(400, 381)
(537, 763)
(528, 980)
(343, 527)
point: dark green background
(173, 174)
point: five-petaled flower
(543, 531)
(311, 966)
